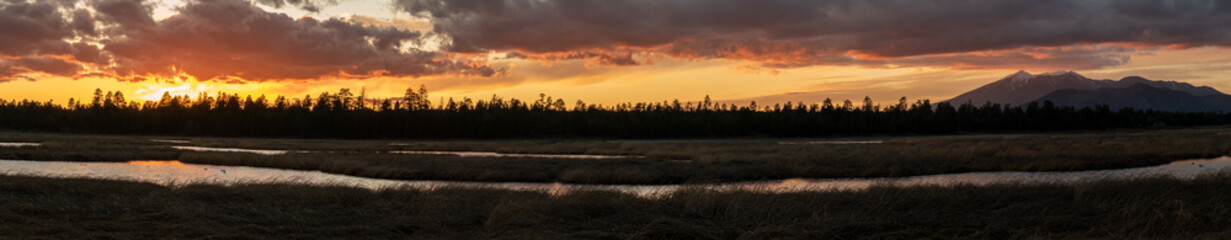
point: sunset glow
(597, 51)
(155, 163)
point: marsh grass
(84, 148)
(665, 161)
(1142, 208)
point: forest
(345, 114)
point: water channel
(177, 173)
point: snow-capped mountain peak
(1019, 76)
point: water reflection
(832, 142)
(174, 172)
(243, 150)
(175, 141)
(496, 154)
(457, 153)
(155, 162)
(20, 144)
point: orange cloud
(220, 40)
(229, 39)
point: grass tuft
(1147, 207)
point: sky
(599, 51)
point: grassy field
(665, 161)
(1145, 208)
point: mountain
(1136, 96)
(1022, 87)
(1068, 87)
(1221, 100)
(1201, 91)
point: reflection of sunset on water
(169, 172)
(177, 173)
(20, 144)
(155, 162)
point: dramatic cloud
(129, 14)
(603, 57)
(1035, 58)
(15, 68)
(790, 33)
(399, 23)
(237, 41)
(35, 38)
(33, 28)
(226, 40)
(306, 5)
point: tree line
(346, 114)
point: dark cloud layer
(234, 40)
(788, 33)
(306, 5)
(129, 14)
(35, 37)
(32, 28)
(229, 40)
(222, 39)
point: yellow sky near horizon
(665, 80)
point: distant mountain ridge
(1072, 89)
(1137, 96)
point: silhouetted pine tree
(344, 115)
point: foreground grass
(680, 161)
(1151, 208)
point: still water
(831, 142)
(20, 144)
(238, 150)
(175, 141)
(514, 155)
(177, 173)
(455, 153)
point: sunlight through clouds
(603, 52)
(154, 92)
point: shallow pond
(175, 141)
(455, 153)
(240, 150)
(496, 154)
(177, 173)
(20, 144)
(831, 142)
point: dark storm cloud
(306, 5)
(227, 40)
(83, 22)
(624, 58)
(800, 33)
(33, 28)
(223, 39)
(35, 38)
(129, 14)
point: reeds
(1150, 208)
